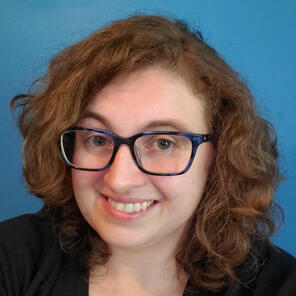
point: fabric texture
(32, 263)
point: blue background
(256, 37)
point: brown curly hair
(237, 206)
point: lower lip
(123, 216)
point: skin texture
(151, 99)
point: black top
(32, 263)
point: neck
(141, 272)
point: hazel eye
(98, 141)
(164, 144)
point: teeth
(144, 205)
(137, 207)
(130, 207)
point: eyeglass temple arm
(207, 138)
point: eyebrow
(92, 115)
(159, 123)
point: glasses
(155, 153)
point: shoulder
(26, 236)
(26, 228)
(275, 274)
(32, 261)
(278, 274)
(26, 243)
(278, 258)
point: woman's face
(146, 100)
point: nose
(124, 175)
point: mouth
(130, 207)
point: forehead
(132, 101)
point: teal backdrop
(257, 37)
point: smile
(130, 207)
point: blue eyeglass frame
(196, 140)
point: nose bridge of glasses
(121, 140)
(118, 141)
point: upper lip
(125, 199)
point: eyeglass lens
(157, 153)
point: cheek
(184, 191)
(86, 179)
(84, 188)
(82, 180)
(187, 189)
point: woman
(156, 173)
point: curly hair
(237, 206)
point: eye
(163, 144)
(98, 140)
